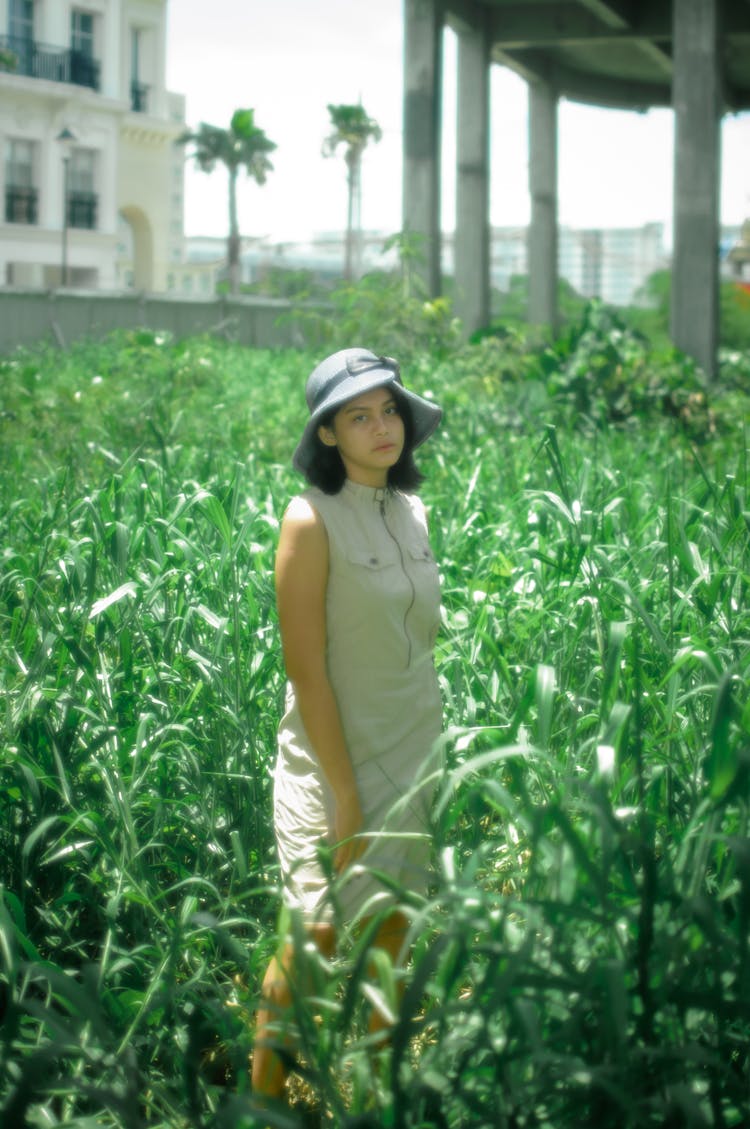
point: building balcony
(139, 97)
(55, 64)
(21, 205)
(82, 210)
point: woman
(358, 602)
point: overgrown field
(583, 960)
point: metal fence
(60, 317)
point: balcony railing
(21, 205)
(82, 210)
(56, 64)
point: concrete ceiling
(614, 53)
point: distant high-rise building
(611, 263)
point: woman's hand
(349, 821)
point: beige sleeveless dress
(382, 610)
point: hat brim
(425, 415)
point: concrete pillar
(423, 26)
(472, 249)
(696, 99)
(543, 191)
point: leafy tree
(734, 310)
(353, 129)
(242, 146)
(512, 304)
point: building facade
(612, 264)
(91, 178)
(607, 263)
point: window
(84, 69)
(138, 89)
(20, 163)
(135, 53)
(83, 170)
(82, 32)
(21, 33)
(21, 194)
(21, 20)
(82, 198)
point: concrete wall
(30, 317)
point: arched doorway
(142, 247)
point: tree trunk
(233, 240)
(356, 264)
(349, 246)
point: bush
(583, 957)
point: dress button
(373, 560)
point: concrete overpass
(692, 55)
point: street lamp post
(67, 139)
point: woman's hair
(327, 472)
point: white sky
(287, 59)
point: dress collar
(366, 493)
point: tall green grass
(583, 957)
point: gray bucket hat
(349, 373)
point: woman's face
(369, 434)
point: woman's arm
(301, 583)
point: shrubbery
(583, 959)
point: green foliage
(583, 957)
(390, 311)
(512, 304)
(650, 317)
(735, 316)
(353, 128)
(606, 371)
(242, 146)
(734, 311)
(284, 282)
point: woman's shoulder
(312, 507)
(415, 506)
(303, 532)
(302, 510)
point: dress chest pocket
(372, 576)
(420, 551)
(371, 559)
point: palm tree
(353, 129)
(242, 146)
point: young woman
(358, 602)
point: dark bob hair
(327, 472)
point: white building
(104, 208)
(611, 263)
